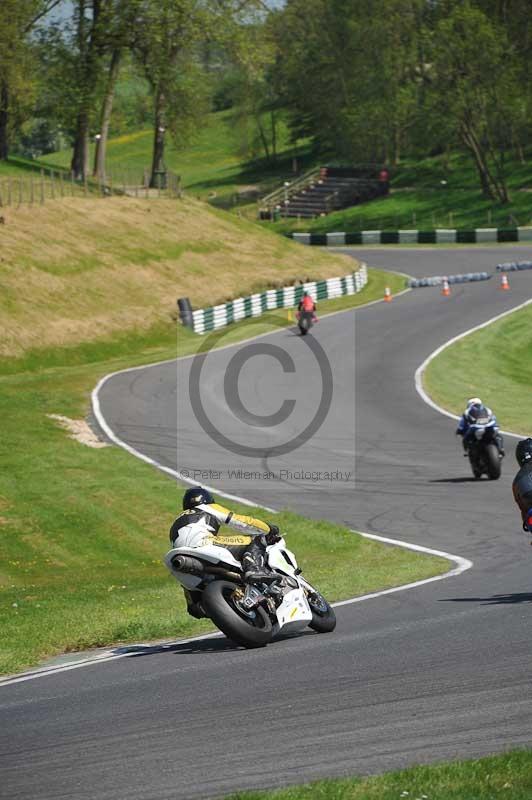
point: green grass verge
(492, 363)
(506, 776)
(82, 531)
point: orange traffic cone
(387, 295)
(445, 290)
(504, 282)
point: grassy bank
(492, 363)
(507, 776)
(76, 270)
(83, 530)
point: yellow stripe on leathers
(240, 520)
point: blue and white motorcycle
(250, 615)
(484, 447)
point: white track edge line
(462, 564)
(418, 377)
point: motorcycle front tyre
(241, 629)
(493, 461)
(477, 472)
(323, 616)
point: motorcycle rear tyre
(241, 630)
(493, 461)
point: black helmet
(523, 451)
(477, 413)
(196, 496)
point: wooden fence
(50, 184)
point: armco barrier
(437, 280)
(209, 319)
(512, 266)
(438, 236)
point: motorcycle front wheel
(323, 616)
(493, 462)
(244, 628)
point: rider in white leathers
(199, 524)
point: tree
(19, 19)
(89, 20)
(120, 21)
(473, 83)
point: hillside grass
(502, 777)
(210, 165)
(492, 363)
(76, 270)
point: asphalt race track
(434, 673)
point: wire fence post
(61, 189)
(72, 182)
(32, 191)
(9, 191)
(42, 187)
(52, 184)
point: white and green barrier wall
(438, 236)
(209, 319)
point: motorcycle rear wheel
(493, 462)
(237, 626)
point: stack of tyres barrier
(436, 280)
(209, 319)
(513, 266)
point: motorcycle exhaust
(191, 566)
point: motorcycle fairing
(294, 612)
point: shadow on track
(469, 479)
(495, 599)
(217, 644)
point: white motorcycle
(251, 614)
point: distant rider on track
(476, 412)
(522, 484)
(199, 524)
(307, 304)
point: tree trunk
(158, 139)
(486, 180)
(105, 117)
(262, 135)
(4, 116)
(273, 119)
(80, 157)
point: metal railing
(270, 201)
